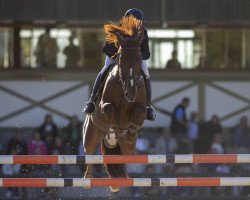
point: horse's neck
(115, 71)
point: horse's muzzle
(130, 96)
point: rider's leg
(150, 110)
(90, 105)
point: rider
(110, 50)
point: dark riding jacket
(110, 49)
(175, 126)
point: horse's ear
(120, 39)
(140, 37)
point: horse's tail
(114, 170)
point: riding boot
(150, 110)
(90, 105)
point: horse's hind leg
(91, 138)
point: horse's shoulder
(113, 72)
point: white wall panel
(170, 103)
(10, 103)
(162, 87)
(32, 118)
(221, 103)
(72, 102)
(69, 103)
(235, 120)
(241, 88)
(38, 90)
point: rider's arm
(109, 49)
(145, 52)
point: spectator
(135, 168)
(179, 126)
(17, 144)
(153, 190)
(173, 63)
(46, 50)
(58, 150)
(216, 147)
(202, 63)
(74, 134)
(72, 52)
(39, 52)
(142, 145)
(241, 135)
(193, 128)
(81, 149)
(48, 131)
(37, 146)
(202, 146)
(222, 191)
(213, 127)
(59, 147)
(11, 170)
(166, 144)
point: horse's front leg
(128, 142)
(92, 136)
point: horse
(121, 107)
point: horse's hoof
(114, 188)
(87, 176)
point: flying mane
(127, 26)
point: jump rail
(123, 182)
(124, 159)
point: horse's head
(129, 62)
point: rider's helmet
(138, 14)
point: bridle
(125, 79)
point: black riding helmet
(138, 14)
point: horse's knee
(91, 137)
(90, 142)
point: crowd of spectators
(47, 49)
(45, 140)
(186, 135)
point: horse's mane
(127, 26)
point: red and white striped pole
(125, 159)
(123, 182)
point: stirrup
(151, 115)
(89, 107)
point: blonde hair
(127, 26)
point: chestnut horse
(121, 108)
